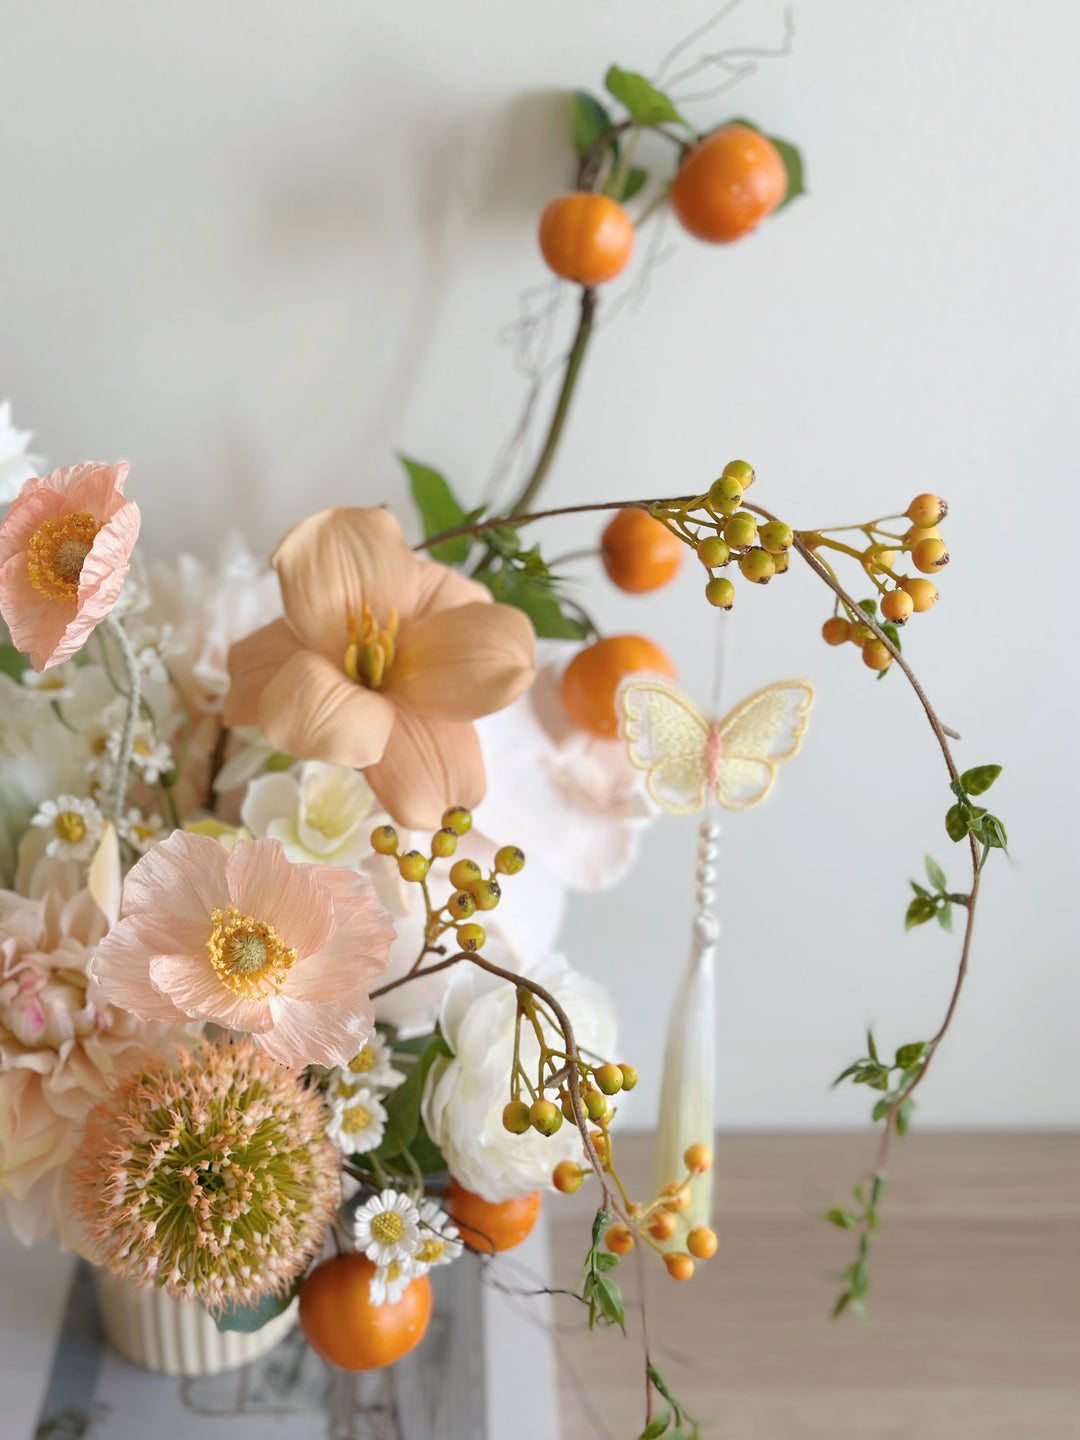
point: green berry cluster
(473, 890)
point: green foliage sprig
(685, 1427)
(599, 1291)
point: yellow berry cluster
(657, 1221)
(595, 1083)
(900, 596)
(473, 890)
(720, 532)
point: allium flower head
(209, 1175)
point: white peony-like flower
(357, 1120)
(74, 825)
(387, 1228)
(16, 466)
(464, 1095)
(319, 812)
(569, 798)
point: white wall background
(257, 246)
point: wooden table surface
(974, 1325)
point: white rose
(464, 1095)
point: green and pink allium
(209, 1175)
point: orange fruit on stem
(728, 182)
(342, 1325)
(586, 238)
(486, 1225)
(591, 679)
(640, 553)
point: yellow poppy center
(55, 554)
(387, 1227)
(365, 1061)
(370, 648)
(355, 1119)
(430, 1251)
(249, 956)
(70, 826)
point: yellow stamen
(249, 956)
(387, 1227)
(56, 552)
(70, 826)
(355, 1119)
(430, 1251)
(365, 1061)
(369, 649)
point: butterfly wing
(666, 735)
(766, 728)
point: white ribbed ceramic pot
(177, 1337)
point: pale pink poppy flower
(381, 663)
(251, 942)
(65, 546)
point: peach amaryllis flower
(381, 662)
(65, 545)
(251, 942)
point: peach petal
(37, 624)
(440, 588)
(263, 883)
(310, 1034)
(191, 981)
(313, 710)
(429, 765)
(464, 662)
(332, 563)
(360, 948)
(185, 876)
(120, 967)
(253, 663)
(36, 503)
(98, 489)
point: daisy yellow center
(365, 1061)
(387, 1227)
(393, 1270)
(249, 956)
(430, 1251)
(70, 826)
(355, 1119)
(370, 648)
(55, 554)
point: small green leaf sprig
(856, 1276)
(598, 1290)
(963, 818)
(674, 1413)
(935, 903)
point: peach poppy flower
(65, 545)
(251, 942)
(381, 663)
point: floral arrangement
(275, 966)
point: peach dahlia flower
(381, 662)
(251, 942)
(65, 546)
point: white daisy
(357, 1122)
(50, 685)
(439, 1243)
(75, 824)
(142, 831)
(154, 645)
(387, 1228)
(150, 756)
(373, 1065)
(389, 1282)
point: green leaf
(840, 1218)
(439, 510)
(859, 1279)
(249, 1318)
(661, 1384)
(892, 632)
(979, 778)
(870, 606)
(601, 1220)
(956, 822)
(605, 1260)
(919, 889)
(513, 586)
(656, 1426)
(403, 1105)
(12, 661)
(910, 1054)
(944, 917)
(994, 831)
(644, 103)
(793, 164)
(588, 121)
(636, 177)
(841, 1304)
(921, 909)
(903, 1116)
(871, 1047)
(880, 1110)
(609, 1299)
(934, 873)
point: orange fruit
(728, 182)
(591, 679)
(586, 238)
(342, 1325)
(487, 1226)
(639, 553)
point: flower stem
(118, 788)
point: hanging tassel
(686, 1095)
